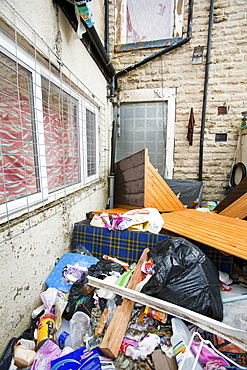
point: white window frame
(86, 105)
(17, 207)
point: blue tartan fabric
(223, 262)
(125, 245)
(128, 245)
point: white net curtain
(148, 20)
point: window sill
(147, 44)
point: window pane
(61, 136)
(91, 142)
(143, 125)
(149, 20)
(18, 176)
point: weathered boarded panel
(237, 209)
(236, 193)
(137, 183)
(129, 180)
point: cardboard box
(163, 362)
(78, 359)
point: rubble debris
(99, 333)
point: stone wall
(226, 87)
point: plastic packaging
(85, 12)
(24, 353)
(79, 327)
(75, 294)
(145, 347)
(180, 342)
(38, 311)
(148, 216)
(63, 338)
(46, 353)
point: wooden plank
(216, 220)
(233, 195)
(211, 229)
(114, 335)
(234, 335)
(224, 233)
(113, 211)
(158, 194)
(122, 209)
(237, 209)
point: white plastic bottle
(180, 341)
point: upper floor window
(145, 23)
(48, 134)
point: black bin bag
(185, 276)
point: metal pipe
(113, 146)
(111, 177)
(165, 50)
(209, 41)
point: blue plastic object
(56, 279)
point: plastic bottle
(79, 325)
(180, 341)
(63, 335)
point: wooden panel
(129, 180)
(157, 193)
(114, 211)
(114, 335)
(122, 209)
(237, 209)
(137, 183)
(226, 234)
(236, 193)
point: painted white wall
(29, 258)
(29, 254)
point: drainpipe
(165, 50)
(210, 27)
(112, 169)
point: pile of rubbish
(68, 328)
(144, 219)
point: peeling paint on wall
(58, 36)
(180, 7)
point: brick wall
(226, 87)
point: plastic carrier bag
(185, 276)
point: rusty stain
(26, 216)
(118, 22)
(179, 7)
